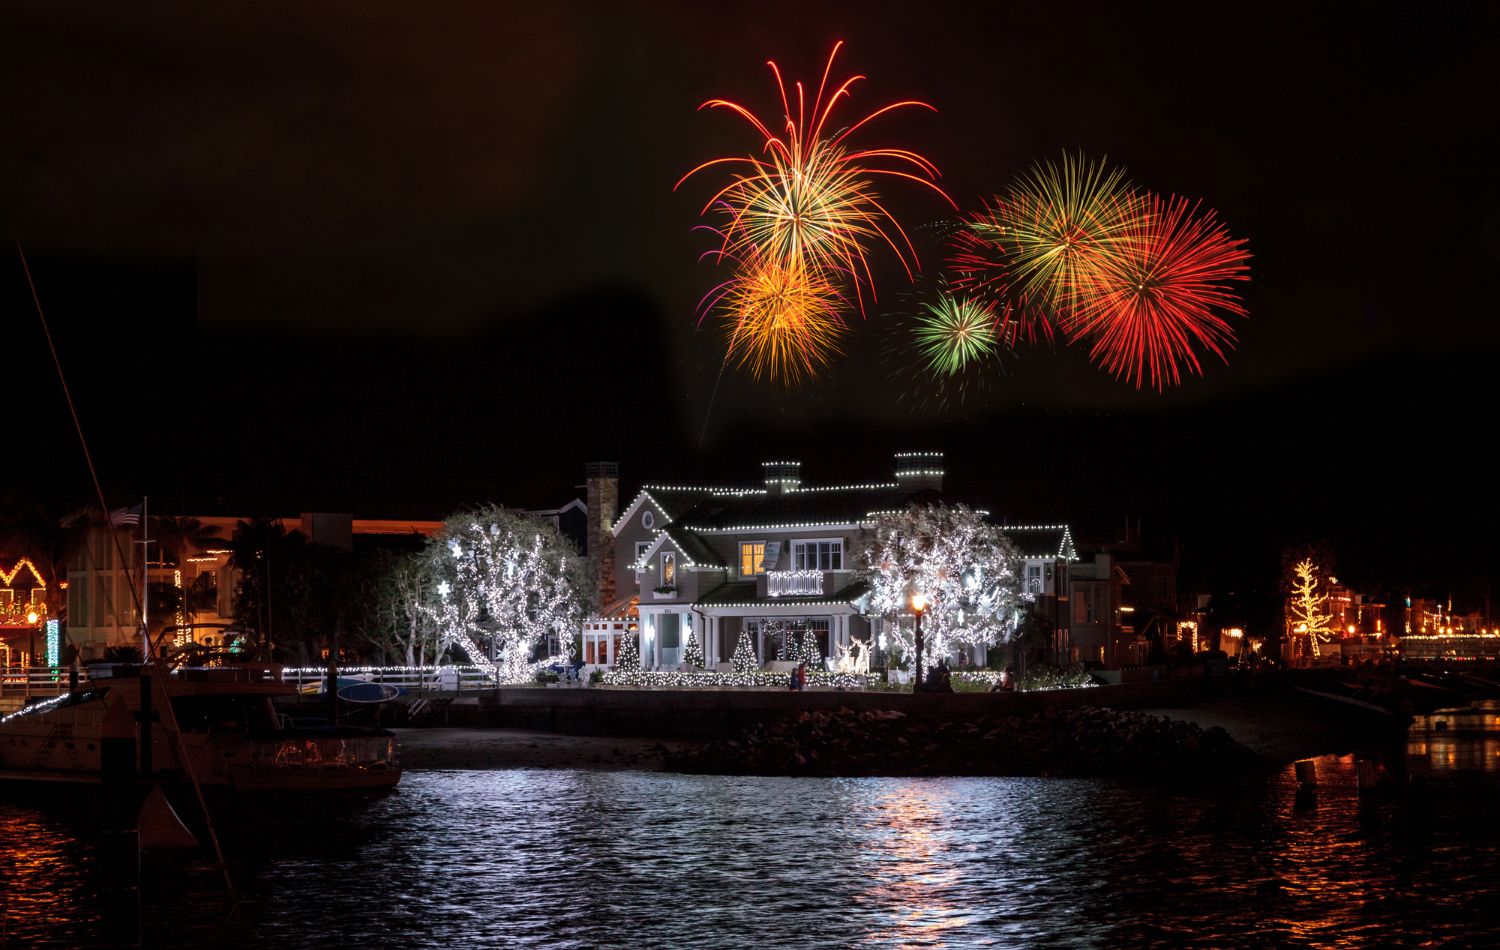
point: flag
(121, 517)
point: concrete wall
(708, 714)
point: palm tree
(179, 537)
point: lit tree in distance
(744, 655)
(966, 568)
(1306, 607)
(508, 584)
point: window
(752, 558)
(818, 555)
(668, 570)
(1033, 578)
(641, 547)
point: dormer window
(668, 570)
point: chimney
(603, 500)
(917, 471)
(782, 476)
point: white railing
(28, 681)
(794, 583)
(443, 679)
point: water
(593, 859)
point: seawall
(712, 714)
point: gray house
(774, 561)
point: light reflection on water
(588, 859)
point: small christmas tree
(692, 653)
(744, 654)
(808, 652)
(629, 657)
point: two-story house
(774, 561)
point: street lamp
(918, 605)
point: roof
(693, 547)
(741, 594)
(1042, 540)
(802, 507)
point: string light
(965, 567)
(711, 679)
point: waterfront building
(773, 563)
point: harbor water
(578, 858)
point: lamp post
(918, 606)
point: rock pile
(1072, 742)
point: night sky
(392, 259)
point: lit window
(669, 570)
(752, 558)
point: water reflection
(597, 859)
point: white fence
(27, 681)
(22, 683)
(443, 679)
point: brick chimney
(916, 471)
(603, 500)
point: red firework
(1163, 294)
(979, 265)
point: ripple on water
(594, 859)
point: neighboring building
(772, 562)
(23, 613)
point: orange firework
(807, 204)
(784, 323)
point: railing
(443, 679)
(794, 583)
(28, 681)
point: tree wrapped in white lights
(508, 583)
(807, 650)
(744, 654)
(629, 657)
(966, 568)
(1305, 607)
(692, 652)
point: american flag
(121, 517)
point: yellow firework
(785, 323)
(807, 200)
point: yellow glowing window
(752, 558)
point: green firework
(953, 333)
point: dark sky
(400, 256)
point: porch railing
(794, 583)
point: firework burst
(1041, 246)
(784, 323)
(807, 202)
(956, 333)
(1163, 294)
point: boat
(221, 731)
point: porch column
(656, 641)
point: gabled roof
(694, 548)
(676, 503)
(1042, 540)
